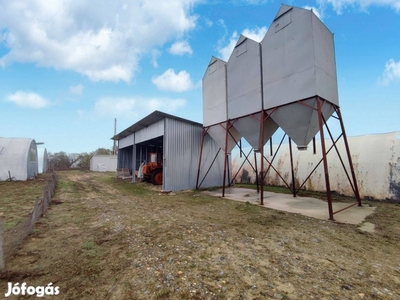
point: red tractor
(152, 171)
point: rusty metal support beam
(201, 155)
(215, 157)
(344, 208)
(291, 166)
(261, 149)
(255, 163)
(225, 157)
(325, 161)
(246, 158)
(353, 174)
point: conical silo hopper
(244, 92)
(215, 109)
(249, 128)
(221, 136)
(298, 68)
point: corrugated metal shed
(178, 140)
(18, 158)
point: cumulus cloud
(339, 5)
(256, 34)
(174, 82)
(104, 43)
(76, 89)
(136, 106)
(180, 48)
(391, 72)
(27, 100)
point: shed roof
(147, 121)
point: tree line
(62, 160)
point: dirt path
(109, 239)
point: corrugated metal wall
(125, 142)
(125, 157)
(182, 142)
(154, 130)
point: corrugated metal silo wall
(376, 161)
(182, 142)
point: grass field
(111, 239)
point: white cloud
(170, 81)
(155, 54)
(136, 107)
(27, 100)
(256, 34)
(104, 42)
(226, 51)
(317, 11)
(180, 48)
(339, 5)
(391, 72)
(76, 89)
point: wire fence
(10, 239)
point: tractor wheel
(157, 177)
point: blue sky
(68, 68)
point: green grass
(18, 197)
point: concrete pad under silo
(307, 206)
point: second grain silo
(298, 69)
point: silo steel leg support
(291, 166)
(226, 156)
(201, 154)
(325, 161)
(261, 149)
(356, 192)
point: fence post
(2, 260)
(33, 216)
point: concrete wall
(103, 163)
(376, 160)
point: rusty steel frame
(246, 158)
(321, 124)
(205, 129)
(262, 174)
(292, 169)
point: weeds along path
(105, 238)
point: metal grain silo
(214, 93)
(215, 107)
(244, 81)
(298, 68)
